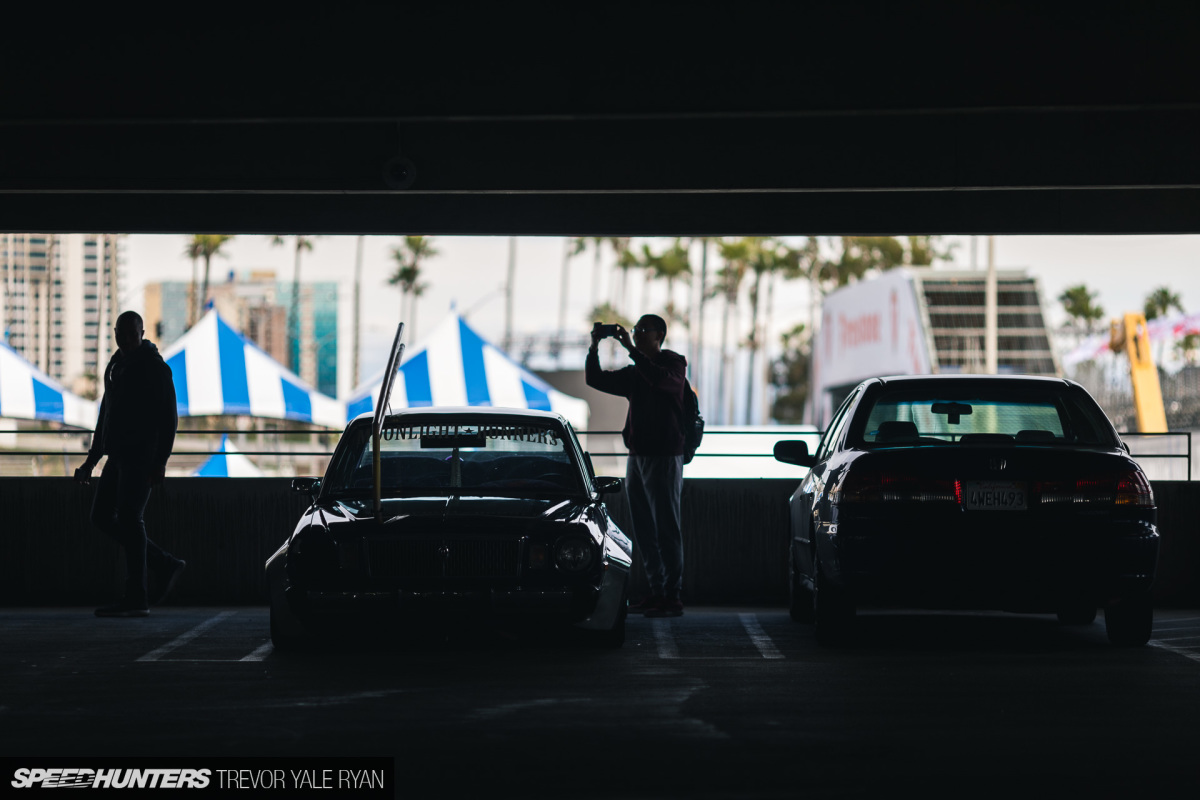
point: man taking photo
(654, 386)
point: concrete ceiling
(763, 119)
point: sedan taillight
(1131, 490)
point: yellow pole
(1131, 336)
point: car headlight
(574, 553)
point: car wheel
(1077, 613)
(800, 599)
(614, 637)
(1129, 619)
(833, 610)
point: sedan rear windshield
(908, 418)
(472, 458)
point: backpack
(690, 422)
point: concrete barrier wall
(735, 540)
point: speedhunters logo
(70, 778)
(349, 777)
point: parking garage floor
(722, 702)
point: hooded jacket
(654, 388)
(137, 417)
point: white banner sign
(869, 329)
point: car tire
(833, 610)
(1079, 612)
(800, 599)
(1129, 620)
(614, 637)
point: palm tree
(607, 313)
(358, 264)
(1160, 302)
(768, 257)
(1080, 305)
(1187, 348)
(736, 255)
(205, 245)
(670, 266)
(302, 243)
(408, 256)
(192, 251)
(597, 243)
(626, 260)
(923, 251)
(696, 314)
(572, 246)
(863, 254)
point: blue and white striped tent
(455, 366)
(227, 463)
(28, 393)
(217, 370)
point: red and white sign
(870, 329)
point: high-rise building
(258, 305)
(60, 302)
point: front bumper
(334, 610)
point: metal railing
(1186, 436)
(1185, 455)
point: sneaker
(123, 609)
(670, 607)
(648, 602)
(164, 583)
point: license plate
(993, 496)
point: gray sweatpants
(653, 485)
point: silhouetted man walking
(136, 430)
(654, 385)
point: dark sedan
(970, 492)
(483, 514)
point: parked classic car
(484, 513)
(1007, 493)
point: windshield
(1023, 415)
(471, 457)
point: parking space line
(182, 639)
(759, 636)
(664, 639)
(1158, 629)
(260, 653)
(1177, 650)
(1177, 638)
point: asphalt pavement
(722, 702)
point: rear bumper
(997, 563)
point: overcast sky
(470, 272)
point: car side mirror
(608, 485)
(308, 486)
(794, 451)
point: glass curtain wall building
(58, 302)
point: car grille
(451, 558)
